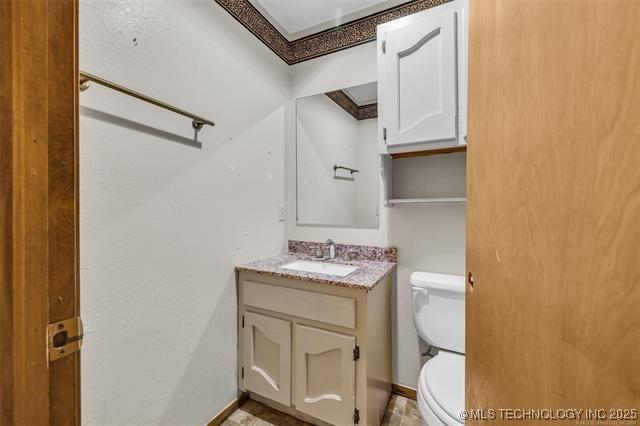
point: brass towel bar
(197, 121)
(349, 169)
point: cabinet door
(324, 375)
(267, 357)
(419, 89)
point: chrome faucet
(332, 249)
(350, 254)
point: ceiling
(295, 19)
(364, 94)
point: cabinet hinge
(356, 353)
(356, 416)
(242, 373)
(384, 134)
(384, 46)
(64, 337)
(243, 321)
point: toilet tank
(438, 309)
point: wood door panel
(553, 204)
(38, 208)
(64, 295)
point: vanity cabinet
(320, 352)
(324, 360)
(422, 63)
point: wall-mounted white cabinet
(422, 80)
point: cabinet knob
(470, 280)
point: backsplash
(386, 254)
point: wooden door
(324, 375)
(553, 205)
(267, 356)
(419, 90)
(38, 210)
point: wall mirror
(336, 157)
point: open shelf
(410, 195)
(434, 200)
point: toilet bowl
(441, 389)
(438, 312)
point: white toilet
(438, 314)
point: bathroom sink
(320, 268)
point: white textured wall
(428, 237)
(163, 222)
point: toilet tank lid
(435, 281)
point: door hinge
(384, 134)
(242, 372)
(243, 321)
(384, 46)
(64, 337)
(356, 353)
(356, 416)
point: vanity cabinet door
(419, 84)
(324, 374)
(267, 357)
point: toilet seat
(441, 387)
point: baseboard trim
(405, 391)
(230, 408)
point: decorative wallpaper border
(368, 111)
(385, 254)
(347, 35)
(359, 112)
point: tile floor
(400, 411)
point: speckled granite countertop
(367, 275)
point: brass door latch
(65, 337)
